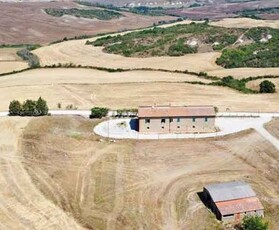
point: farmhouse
(176, 119)
(231, 201)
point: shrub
(254, 223)
(267, 87)
(98, 112)
(41, 107)
(15, 108)
(29, 108)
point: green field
(84, 13)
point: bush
(254, 223)
(15, 108)
(28, 108)
(267, 87)
(98, 112)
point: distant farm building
(231, 201)
(176, 119)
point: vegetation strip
(84, 13)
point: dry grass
(273, 127)
(131, 95)
(245, 23)
(78, 53)
(10, 66)
(239, 73)
(256, 84)
(22, 205)
(9, 61)
(140, 184)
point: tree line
(28, 108)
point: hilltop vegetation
(263, 52)
(172, 41)
(84, 13)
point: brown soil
(142, 184)
(42, 28)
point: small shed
(231, 201)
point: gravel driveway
(126, 129)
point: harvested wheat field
(273, 127)
(10, 61)
(239, 73)
(96, 91)
(78, 53)
(10, 66)
(135, 184)
(245, 23)
(256, 84)
(60, 76)
(22, 205)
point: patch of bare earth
(42, 28)
(143, 184)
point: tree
(98, 112)
(15, 108)
(254, 223)
(267, 87)
(41, 107)
(29, 108)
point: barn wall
(178, 125)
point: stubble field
(85, 88)
(140, 184)
(9, 61)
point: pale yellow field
(130, 95)
(256, 84)
(22, 205)
(245, 23)
(9, 54)
(10, 66)
(239, 73)
(90, 76)
(78, 53)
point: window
(171, 120)
(227, 215)
(163, 120)
(147, 121)
(194, 119)
(178, 127)
(147, 127)
(194, 126)
(163, 127)
(206, 119)
(178, 119)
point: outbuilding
(231, 201)
(176, 119)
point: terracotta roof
(176, 111)
(230, 191)
(239, 206)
